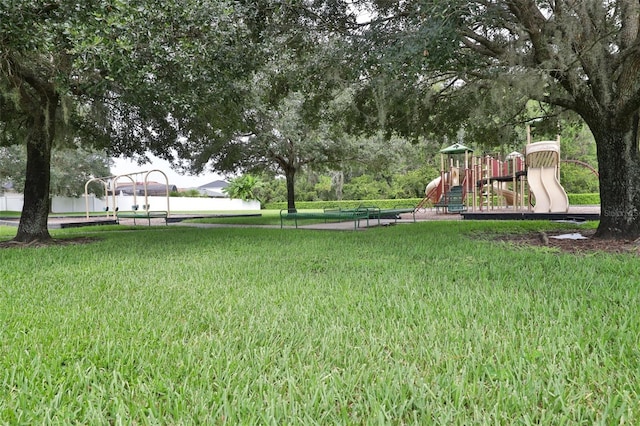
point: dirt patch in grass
(50, 243)
(588, 245)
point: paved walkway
(424, 215)
(421, 215)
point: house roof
(212, 192)
(215, 184)
(153, 188)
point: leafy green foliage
(243, 187)
(577, 179)
(365, 188)
(193, 193)
(592, 199)
(271, 188)
(494, 57)
(70, 170)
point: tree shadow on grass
(54, 242)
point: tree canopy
(71, 168)
(292, 118)
(127, 76)
(480, 62)
(176, 78)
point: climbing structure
(499, 184)
(485, 183)
(448, 191)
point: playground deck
(578, 217)
(575, 213)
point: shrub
(574, 199)
(345, 204)
(584, 199)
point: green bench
(442, 204)
(456, 208)
(326, 215)
(395, 212)
(143, 215)
(453, 201)
(391, 213)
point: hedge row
(345, 204)
(574, 200)
(584, 199)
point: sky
(124, 166)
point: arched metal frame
(583, 164)
(113, 180)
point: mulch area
(582, 246)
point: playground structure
(110, 184)
(485, 183)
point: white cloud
(123, 166)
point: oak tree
(490, 57)
(126, 76)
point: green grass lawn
(267, 217)
(422, 324)
(9, 214)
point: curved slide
(550, 195)
(543, 159)
(555, 193)
(509, 195)
(432, 192)
(543, 201)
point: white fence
(14, 202)
(11, 202)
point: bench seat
(390, 213)
(394, 213)
(159, 214)
(329, 214)
(456, 208)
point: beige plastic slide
(559, 202)
(509, 195)
(434, 196)
(543, 159)
(433, 184)
(534, 179)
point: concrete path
(421, 215)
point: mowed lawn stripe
(420, 323)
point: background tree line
(401, 169)
(390, 169)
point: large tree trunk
(619, 169)
(35, 211)
(290, 174)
